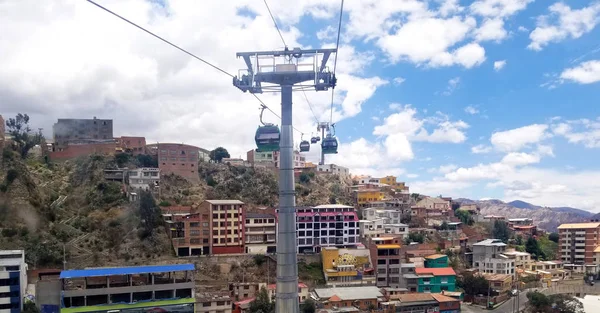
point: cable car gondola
(267, 136)
(304, 144)
(329, 145)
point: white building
(522, 259)
(331, 225)
(13, 280)
(209, 303)
(261, 233)
(343, 172)
(144, 178)
(488, 257)
(299, 159)
(390, 216)
(378, 227)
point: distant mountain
(523, 205)
(545, 218)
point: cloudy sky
(480, 99)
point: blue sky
(479, 99)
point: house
(500, 283)
(488, 257)
(522, 259)
(244, 290)
(436, 279)
(420, 303)
(133, 145)
(303, 293)
(363, 298)
(436, 261)
(343, 172)
(213, 302)
(431, 203)
(145, 178)
(347, 267)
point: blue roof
(130, 270)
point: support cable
(337, 45)
(274, 22)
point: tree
(464, 216)
(554, 237)
(309, 306)
(473, 284)
(444, 226)
(218, 154)
(561, 303)
(150, 214)
(532, 247)
(548, 248)
(414, 237)
(262, 303)
(29, 307)
(519, 240)
(501, 231)
(18, 128)
(538, 302)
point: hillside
(45, 207)
(545, 218)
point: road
(506, 307)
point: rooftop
(130, 270)
(349, 293)
(415, 297)
(224, 201)
(259, 215)
(490, 242)
(435, 256)
(516, 253)
(441, 271)
(524, 219)
(388, 246)
(496, 277)
(579, 226)
(442, 298)
(335, 206)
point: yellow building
(369, 195)
(345, 266)
(391, 180)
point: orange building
(226, 225)
(577, 242)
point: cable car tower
(275, 71)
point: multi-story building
(500, 283)
(347, 267)
(343, 172)
(255, 157)
(327, 226)
(71, 130)
(436, 280)
(177, 159)
(436, 261)
(120, 289)
(303, 293)
(522, 259)
(133, 145)
(488, 257)
(245, 290)
(430, 203)
(13, 280)
(211, 302)
(578, 242)
(227, 225)
(299, 159)
(189, 231)
(146, 178)
(261, 232)
(387, 268)
(364, 196)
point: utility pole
(64, 257)
(280, 71)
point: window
(444, 280)
(195, 224)
(382, 261)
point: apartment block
(211, 303)
(578, 242)
(326, 226)
(244, 290)
(77, 131)
(261, 233)
(13, 280)
(178, 159)
(522, 259)
(189, 231)
(121, 289)
(146, 178)
(227, 225)
(343, 172)
(488, 257)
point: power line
(185, 51)
(337, 45)
(274, 22)
(162, 39)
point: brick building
(331, 225)
(189, 231)
(134, 145)
(71, 151)
(227, 219)
(73, 130)
(178, 159)
(578, 241)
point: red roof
(244, 301)
(335, 298)
(442, 271)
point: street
(506, 307)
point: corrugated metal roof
(130, 270)
(349, 293)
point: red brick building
(178, 159)
(134, 145)
(226, 225)
(189, 230)
(71, 151)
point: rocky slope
(545, 218)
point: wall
(75, 151)
(47, 292)
(178, 159)
(436, 284)
(437, 263)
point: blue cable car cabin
(304, 146)
(267, 138)
(329, 145)
(313, 140)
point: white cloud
(515, 139)
(492, 29)
(498, 65)
(328, 33)
(119, 71)
(399, 80)
(398, 147)
(471, 110)
(523, 29)
(563, 23)
(448, 7)
(584, 131)
(412, 175)
(481, 149)
(520, 158)
(405, 122)
(452, 84)
(498, 8)
(447, 168)
(373, 158)
(585, 73)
